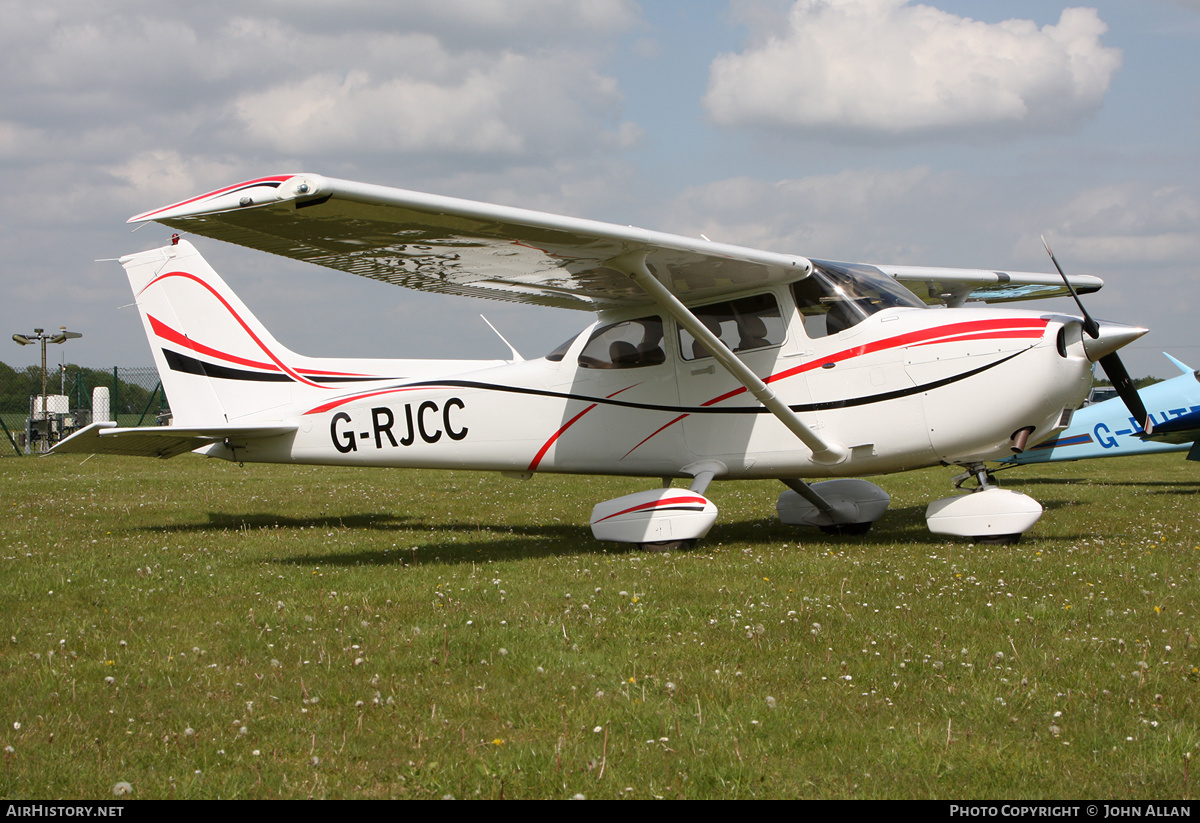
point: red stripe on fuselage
(1000, 329)
(169, 334)
(537, 458)
(245, 327)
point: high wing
(448, 245)
(164, 441)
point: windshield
(838, 296)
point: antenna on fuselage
(517, 358)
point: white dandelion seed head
(122, 788)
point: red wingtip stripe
(149, 215)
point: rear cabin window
(630, 344)
(743, 325)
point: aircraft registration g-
(705, 361)
(1106, 429)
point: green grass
(203, 630)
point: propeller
(1110, 362)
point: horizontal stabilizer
(160, 441)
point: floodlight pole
(61, 336)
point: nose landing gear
(986, 514)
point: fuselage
(902, 388)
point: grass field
(200, 630)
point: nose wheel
(986, 514)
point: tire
(667, 546)
(997, 539)
(847, 529)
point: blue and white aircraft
(1106, 429)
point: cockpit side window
(630, 344)
(839, 296)
(743, 325)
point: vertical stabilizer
(217, 363)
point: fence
(135, 399)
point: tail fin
(219, 366)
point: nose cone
(1112, 337)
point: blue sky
(950, 133)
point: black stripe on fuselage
(190, 365)
(628, 404)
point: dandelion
(770, 702)
(122, 788)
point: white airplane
(705, 361)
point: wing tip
(239, 195)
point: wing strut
(634, 265)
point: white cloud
(866, 215)
(1131, 223)
(453, 78)
(503, 104)
(885, 67)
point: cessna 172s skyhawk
(706, 361)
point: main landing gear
(846, 506)
(986, 514)
(663, 519)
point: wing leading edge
(445, 244)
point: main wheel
(847, 529)
(997, 539)
(667, 546)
